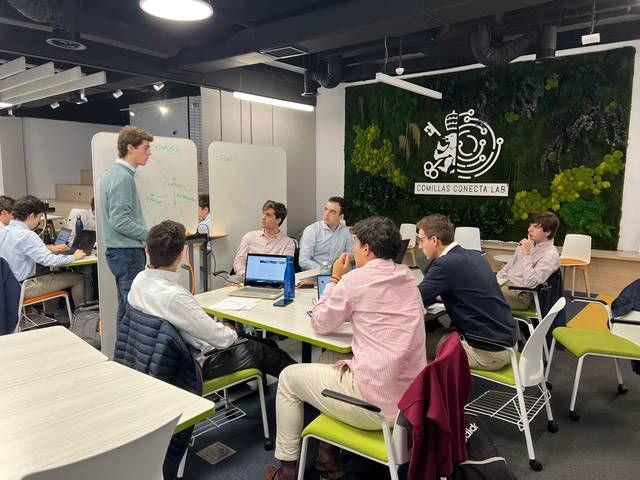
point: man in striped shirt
(382, 301)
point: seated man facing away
(22, 248)
(6, 205)
(156, 291)
(270, 240)
(204, 213)
(536, 258)
(382, 302)
(322, 242)
(470, 294)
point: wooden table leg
(585, 277)
(573, 281)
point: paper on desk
(436, 308)
(236, 303)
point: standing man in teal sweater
(124, 230)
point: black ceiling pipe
(500, 54)
(329, 76)
(547, 44)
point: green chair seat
(367, 442)
(525, 313)
(210, 386)
(580, 342)
(504, 375)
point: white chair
(468, 238)
(24, 322)
(576, 253)
(408, 232)
(71, 222)
(141, 458)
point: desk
(89, 260)
(74, 403)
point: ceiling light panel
(272, 101)
(411, 87)
(28, 76)
(179, 10)
(14, 66)
(58, 79)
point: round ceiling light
(180, 10)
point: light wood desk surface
(88, 260)
(29, 356)
(61, 419)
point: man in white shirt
(270, 240)
(156, 291)
(88, 219)
(204, 213)
(6, 205)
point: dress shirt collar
(163, 274)
(19, 224)
(278, 235)
(448, 249)
(125, 164)
(546, 244)
(326, 227)
(378, 262)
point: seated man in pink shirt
(382, 301)
(270, 240)
(536, 258)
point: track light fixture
(117, 94)
(158, 86)
(54, 105)
(79, 97)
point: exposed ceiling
(230, 49)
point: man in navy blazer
(470, 293)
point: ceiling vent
(283, 52)
(66, 39)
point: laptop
(63, 236)
(263, 277)
(85, 240)
(323, 281)
(403, 249)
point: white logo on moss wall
(469, 149)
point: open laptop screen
(323, 281)
(265, 270)
(63, 236)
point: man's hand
(79, 254)
(525, 244)
(341, 266)
(58, 248)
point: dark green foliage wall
(554, 117)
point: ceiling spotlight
(117, 94)
(158, 86)
(54, 105)
(399, 70)
(5, 105)
(79, 97)
(10, 112)
(163, 110)
(180, 10)
(132, 113)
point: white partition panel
(241, 178)
(168, 190)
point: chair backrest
(530, 365)
(408, 231)
(577, 247)
(141, 458)
(468, 237)
(9, 299)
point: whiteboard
(168, 189)
(241, 178)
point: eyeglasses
(422, 239)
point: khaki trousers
(518, 299)
(58, 281)
(302, 383)
(480, 359)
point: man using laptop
(324, 241)
(270, 240)
(22, 248)
(156, 291)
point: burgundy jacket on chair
(434, 405)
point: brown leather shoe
(271, 472)
(332, 467)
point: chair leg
(551, 352)
(268, 443)
(573, 281)
(622, 388)
(182, 464)
(574, 394)
(303, 458)
(393, 472)
(551, 425)
(413, 257)
(585, 277)
(535, 465)
(72, 322)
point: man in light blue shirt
(324, 241)
(204, 214)
(22, 248)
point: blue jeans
(125, 264)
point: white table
(503, 258)
(29, 356)
(61, 400)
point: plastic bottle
(325, 269)
(79, 225)
(289, 280)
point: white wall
(12, 169)
(55, 152)
(330, 136)
(227, 119)
(173, 123)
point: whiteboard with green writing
(168, 189)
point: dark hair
(279, 208)
(340, 201)
(381, 234)
(27, 205)
(437, 225)
(548, 221)
(203, 200)
(130, 135)
(165, 243)
(6, 203)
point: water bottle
(289, 280)
(325, 269)
(79, 225)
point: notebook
(263, 276)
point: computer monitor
(265, 270)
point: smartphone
(283, 302)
